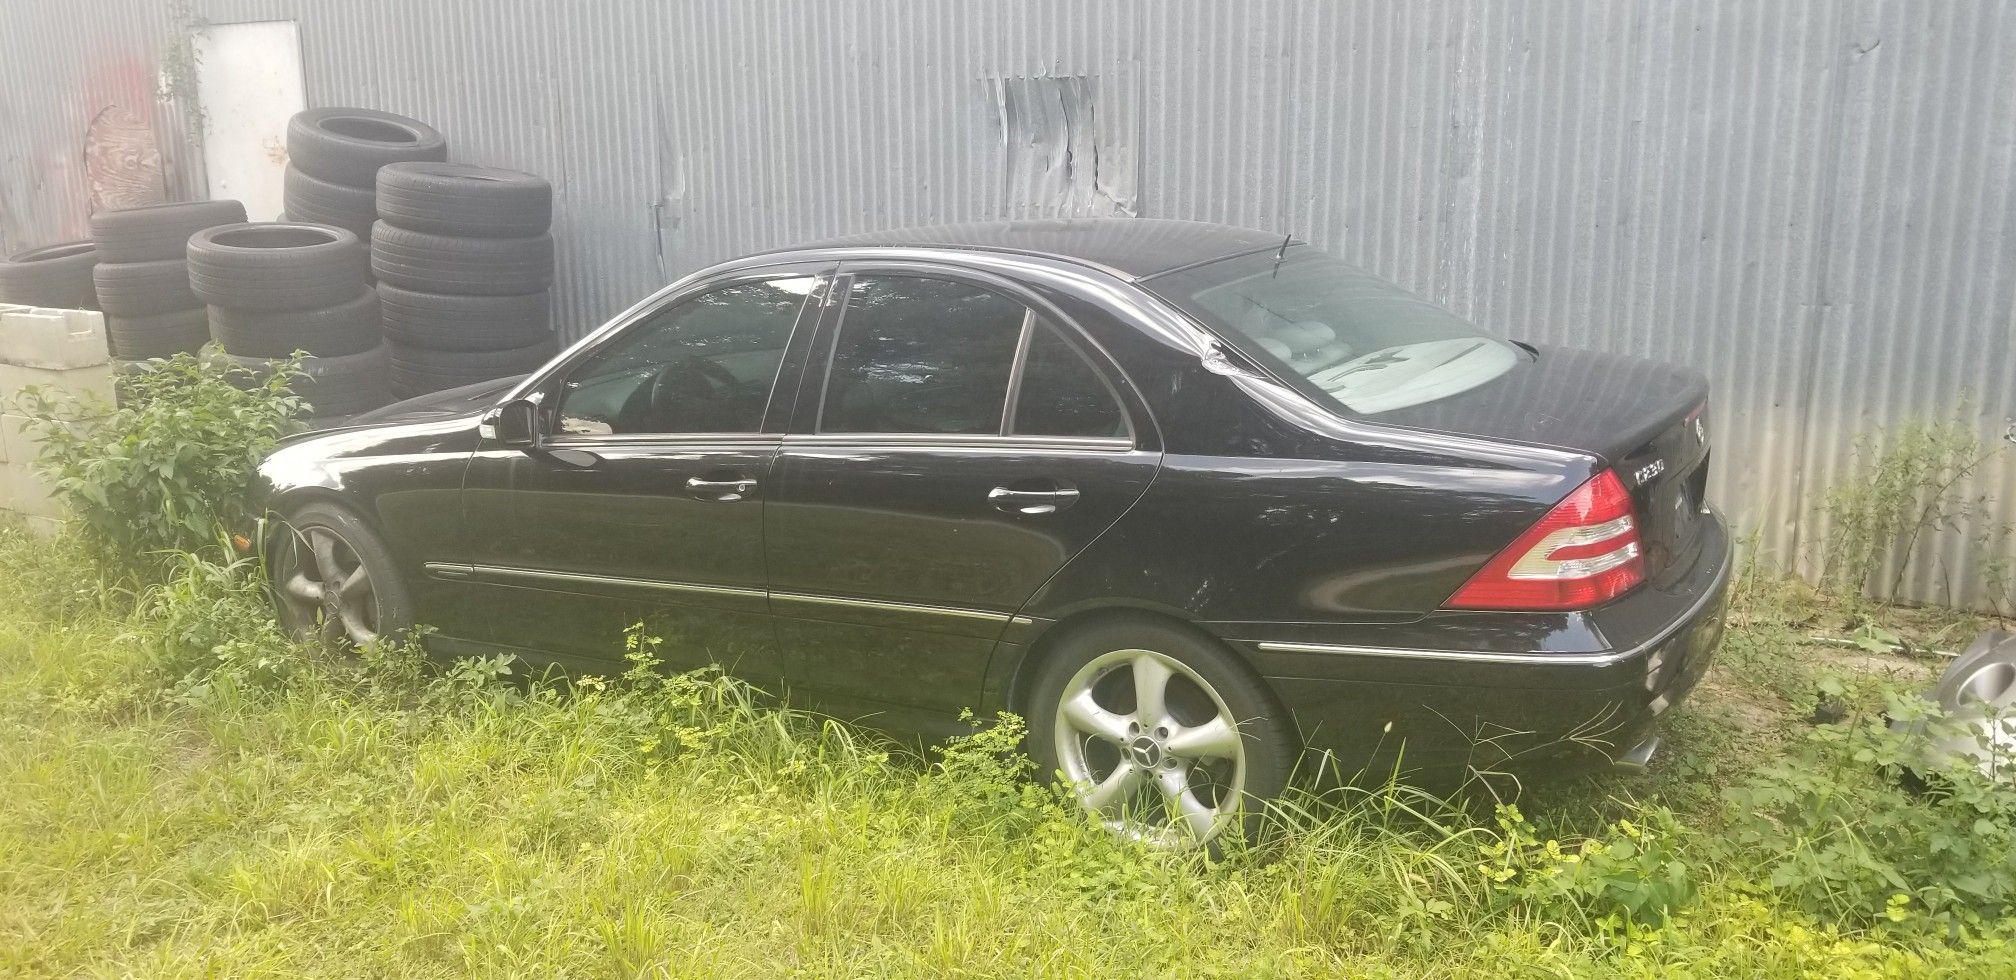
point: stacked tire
(464, 263)
(277, 288)
(333, 156)
(142, 279)
(56, 276)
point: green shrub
(172, 469)
(1838, 827)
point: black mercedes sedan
(1200, 503)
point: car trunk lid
(1647, 420)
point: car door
(957, 441)
(643, 500)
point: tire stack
(274, 288)
(142, 277)
(333, 156)
(54, 276)
(464, 263)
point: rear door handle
(1033, 503)
(735, 489)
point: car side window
(1062, 394)
(919, 355)
(704, 365)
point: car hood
(449, 403)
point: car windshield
(1369, 345)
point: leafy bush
(1840, 834)
(1630, 875)
(172, 469)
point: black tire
(56, 276)
(271, 267)
(138, 289)
(446, 322)
(349, 327)
(1268, 735)
(317, 201)
(416, 371)
(136, 338)
(347, 146)
(159, 231)
(334, 386)
(465, 266)
(461, 199)
(392, 599)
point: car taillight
(1585, 552)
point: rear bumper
(1495, 690)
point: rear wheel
(1162, 733)
(333, 579)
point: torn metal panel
(1059, 158)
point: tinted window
(705, 365)
(1061, 394)
(921, 355)
(1368, 344)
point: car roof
(1135, 247)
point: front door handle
(1032, 503)
(734, 489)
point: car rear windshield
(1367, 344)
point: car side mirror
(514, 423)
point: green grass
(184, 794)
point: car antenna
(1278, 256)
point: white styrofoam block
(42, 527)
(57, 339)
(21, 490)
(16, 442)
(77, 382)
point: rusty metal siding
(1811, 201)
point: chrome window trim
(934, 440)
(1014, 396)
(738, 440)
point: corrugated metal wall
(1811, 201)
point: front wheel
(333, 579)
(1162, 734)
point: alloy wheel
(325, 590)
(1151, 748)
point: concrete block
(14, 439)
(76, 382)
(55, 339)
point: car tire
(317, 201)
(1205, 686)
(464, 200)
(466, 266)
(349, 327)
(137, 338)
(54, 276)
(269, 267)
(383, 608)
(447, 322)
(347, 146)
(157, 232)
(144, 288)
(417, 371)
(334, 386)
